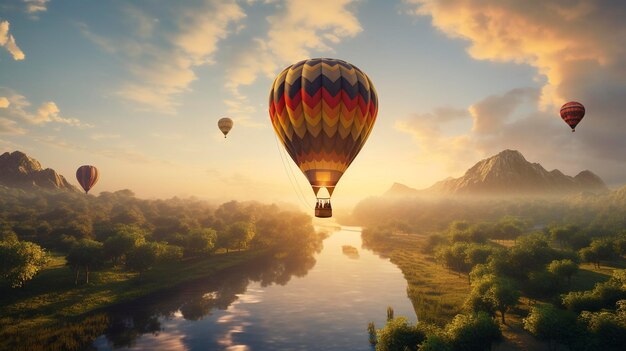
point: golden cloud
(8, 42)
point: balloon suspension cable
(297, 189)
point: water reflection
(315, 301)
(350, 251)
(196, 301)
(311, 302)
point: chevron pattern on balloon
(323, 111)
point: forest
(491, 272)
(64, 254)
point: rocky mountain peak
(509, 173)
(19, 162)
(18, 170)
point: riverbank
(437, 294)
(52, 298)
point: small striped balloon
(572, 113)
(87, 177)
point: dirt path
(516, 338)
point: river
(321, 303)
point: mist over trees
(116, 229)
(597, 215)
(522, 260)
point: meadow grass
(437, 293)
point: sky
(136, 88)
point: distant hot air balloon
(87, 176)
(323, 110)
(572, 113)
(225, 124)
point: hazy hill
(509, 173)
(17, 170)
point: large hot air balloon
(572, 113)
(225, 124)
(323, 110)
(87, 176)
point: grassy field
(438, 294)
(51, 297)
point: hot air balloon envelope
(225, 125)
(572, 113)
(87, 177)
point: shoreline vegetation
(548, 274)
(114, 248)
(51, 297)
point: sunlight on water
(327, 308)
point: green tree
(20, 261)
(606, 330)
(7, 235)
(491, 294)
(200, 241)
(503, 295)
(553, 325)
(241, 233)
(86, 254)
(125, 239)
(599, 250)
(541, 284)
(454, 257)
(564, 269)
(475, 332)
(477, 300)
(399, 335)
(509, 228)
(478, 254)
(603, 295)
(531, 253)
(561, 234)
(144, 257)
(435, 342)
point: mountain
(509, 173)
(17, 170)
(398, 189)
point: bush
(399, 335)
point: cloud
(454, 149)
(8, 42)
(492, 113)
(299, 28)
(436, 139)
(510, 120)
(144, 24)
(573, 46)
(10, 127)
(310, 25)
(549, 35)
(19, 108)
(33, 7)
(49, 112)
(163, 66)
